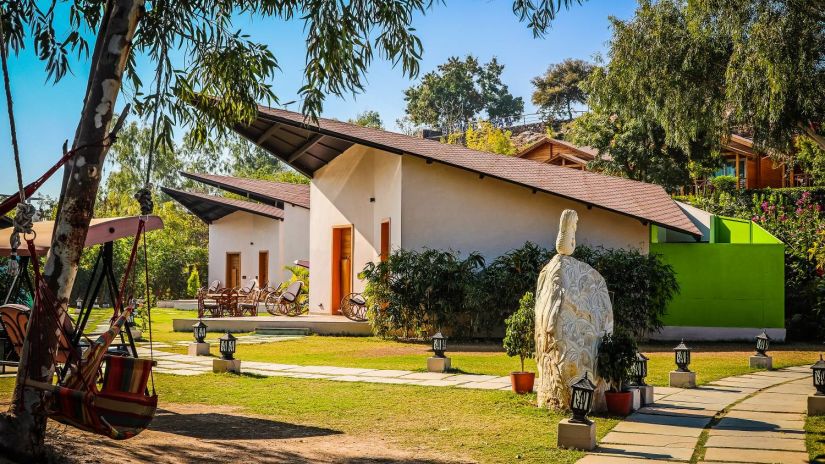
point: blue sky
(47, 114)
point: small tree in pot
(616, 355)
(520, 340)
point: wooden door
(233, 270)
(341, 265)
(385, 240)
(263, 269)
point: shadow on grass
(216, 426)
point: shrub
(641, 286)
(418, 291)
(616, 355)
(501, 285)
(520, 336)
(193, 283)
(724, 183)
(413, 292)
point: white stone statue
(573, 312)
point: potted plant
(520, 340)
(616, 355)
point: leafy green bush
(616, 355)
(641, 286)
(724, 183)
(413, 292)
(520, 335)
(501, 285)
(193, 283)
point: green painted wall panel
(726, 284)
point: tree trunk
(811, 132)
(22, 430)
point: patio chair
(289, 302)
(270, 295)
(248, 304)
(15, 319)
(208, 303)
(354, 307)
(227, 302)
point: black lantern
(762, 343)
(199, 331)
(639, 369)
(582, 400)
(439, 345)
(819, 376)
(228, 346)
(682, 356)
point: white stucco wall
(446, 207)
(294, 241)
(437, 206)
(340, 195)
(247, 234)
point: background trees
(703, 69)
(368, 118)
(452, 97)
(561, 88)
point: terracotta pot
(619, 403)
(522, 381)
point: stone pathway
(180, 364)
(753, 418)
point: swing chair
(121, 405)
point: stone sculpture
(573, 312)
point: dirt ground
(205, 434)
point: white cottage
(373, 191)
(251, 239)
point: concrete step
(281, 331)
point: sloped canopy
(101, 230)
(210, 208)
(307, 148)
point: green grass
(815, 438)
(487, 426)
(710, 361)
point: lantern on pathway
(682, 356)
(819, 376)
(227, 346)
(581, 399)
(439, 345)
(639, 369)
(199, 331)
(762, 343)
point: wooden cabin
(559, 152)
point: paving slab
(679, 421)
(386, 373)
(774, 402)
(756, 456)
(657, 429)
(757, 434)
(677, 410)
(602, 459)
(639, 452)
(755, 442)
(473, 378)
(427, 376)
(623, 438)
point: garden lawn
(161, 324)
(487, 426)
(710, 361)
(815, 438)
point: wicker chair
(208, 305)
(248, 303)
(288, 302)
(354, 307)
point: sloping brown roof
(308, 147)
(211, 208)
(586, 152)
(261, 190)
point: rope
(149, 310)
(10, 109)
